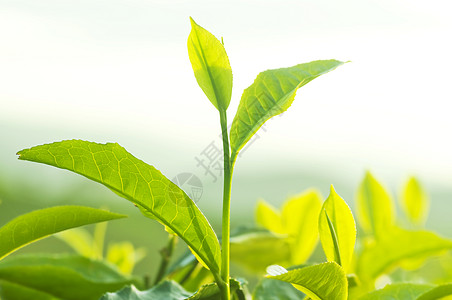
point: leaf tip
(275, 270)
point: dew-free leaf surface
(415, 201)
(375, 207)
(44, 222)
(156, 196)
(398, 291)
(325, 281)
(68, 277)
(258, 249)
(272, 92)
(211, 66)
(297, 220)
(272, 289)
(337, 230)
(397, 247)
(168, 290)
(437, 292)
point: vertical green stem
(166, 254)
(226, 219)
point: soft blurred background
(118, 71)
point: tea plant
(286, 239)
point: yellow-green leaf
(272, 93)
(299, 218)
(337, 230)
(397, 247)
(156, 196)
(41, 223)
(211, 66)
(415, 201)
(325, 281)
(269, 217)
(375, 207)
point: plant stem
(226, 219)
(166, 254)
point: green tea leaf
(38, 224)
(211, 66)
(171, 290)
(325, 281)
(272, 93)
(337, 230)
(397, 247)
(375, 207)
(269, 217)
(168, 290)
(271, 289)
(398, 291)
(80, 240)
(258, 249)
(68, 277)
(415, 201)
(11, 291)
(437, 292)
(299, 218)
(156, 196)
(124, 256)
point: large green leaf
(138, 182)
(168, 290)
(437, 292)
(337, 230)
(41, 223)
(415, 201)
(298, 220)
(375, 207)
(396, 248)
(11, 291)
(211, 66)
(271, 289)
(272, 92)
(171, 290)
(67, 277)
(325, 281)
(398, 291)
(257, 249)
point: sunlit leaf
(124, 256)
(437, 293)
(375, 207)
(299, 218)
(211, 66)
(11, 291)
(415, 201)
(171, 290)
(269, 217)
(337, 230)
(257, 249)
(44, 222)
(272, 289)
(397, 247)
(67, 277)
(159, 198)
(272, 92)
(80, 240)
(398, 291)
(325, 281)
(168, 290)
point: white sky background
(117, 70)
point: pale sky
(119, 70)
